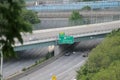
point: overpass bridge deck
(50, 36)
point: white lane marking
(71, 68)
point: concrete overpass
(49, 37)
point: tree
(88, 0)
(12, 24)
(30, 16)
(111, 73)
(86, 8)
(103, 61)
(76, 18)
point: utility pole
(1, 67)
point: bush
(76, 18)
(104, 61)
(24, 69)
(86, 8)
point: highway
(66, 14)
(25, 59)
(64, 68)
(50, 23)
(28, 57)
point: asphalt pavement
(64, 68)
(25, 59)
(50, 23)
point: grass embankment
(104, 61)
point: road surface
(66, 14)
(26, 59)
(50, 23)
(64, 68)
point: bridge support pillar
(60, 49)
(51, 48)
(57, 50)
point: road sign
(54, 77)
(66, 39)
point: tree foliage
(12, 24)
(104, 61)
(110, 73)
(89, 0)
(30, 16)
(86, 8)
(76, 18)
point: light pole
(1, 67)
